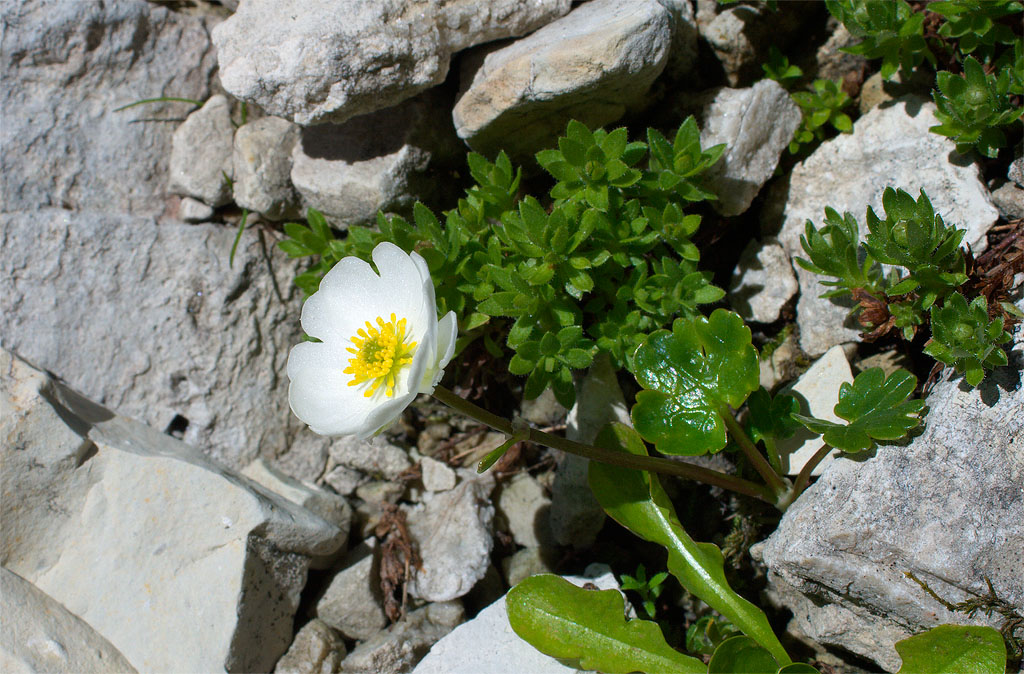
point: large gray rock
(201, 154)
(947, 508)
(65, 67)
(591, 65)
(330, 60)
(487, 645)
(889, 147)
(353, 603)
(181, 564)
(153, 322)
(262, 162)
(40, 635)
(374, 162)
(453, 531)
(756, 125)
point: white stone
(453, 531)
(525, 508)
(376, 457)
(39, 635)
(487, 645)
(399, 648)
(262, 164)
(66, 67)
(756, 125)
(193, 210)
(763, 282)
(375, 162)
(152, 321)
(317, 649)
(353, 603)
(181, 564)
(437, 476)
(527, 562)
(591, 65)
(818, 391)
(889, 147)
(315, 61)
(201, 165)
(948, 507)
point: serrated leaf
(876, 408)
(637, 501)
(953, 649)
(691, 377)
(587, 627)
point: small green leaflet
(953, 649)
(876, 407)
(588, 627)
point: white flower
(380, 344)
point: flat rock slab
(315, 61)
(181, 564)
(590, 65)
(947, 508)
(66, 67)
(152, 321)
(889, 147)
(40, 635)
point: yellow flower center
(380, 354)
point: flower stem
(755, 457)
(805, 473)
(634, 461)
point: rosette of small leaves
(913, 236)
(890, 29)
(834, 251)
(978, 27)
(822, 106)
(974, 106)
(876, 408)
(965, 338)
(677, 167)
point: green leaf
(953, 649)
(876, 407)
(637, 501)
(742, 655)
(691, 376)
(587, 627)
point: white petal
(401, 276)
(320, 396)
(447, 331)
(350, 294)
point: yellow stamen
(380, 354)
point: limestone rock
(201, 154)
(193, 210)
(398, 649)
(1009, 199)
(150, 320)
(756, 125)
(353, 603)
(818, 391)
(330, 60)
(524, 508)
(375, 162)
(317, 649)
(376, 456)
(544, 410)
(454, 534)
(947, 507)
(763, 282)
(180, 563)
(40, 635)
(66, 67)
(262, 163)
(527, 562)
(486, 644)
(437, 476)
(889, 147)
(590, 65)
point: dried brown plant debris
(399, 560)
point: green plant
(972, 108)
(605, 260)
(778, 68)
(890, 29)
(953, 649)
(914, 237)
(649, 589)
(822, 106)
(977, 27)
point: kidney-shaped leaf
(953, 649)
(876, 407)
(637, 501)
(742, 655)
(588, 627)
(691, 376)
